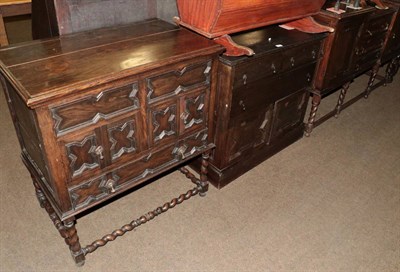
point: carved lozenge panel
(89, 110)
(83, 155)
(122, 138)
(193, 113)
(164, 123)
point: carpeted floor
(330, 202)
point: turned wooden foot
(69, 233)
(371, 80)
(316, 100)
(342, 96)
(66, 229)
(203, 174)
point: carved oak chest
(100, 112)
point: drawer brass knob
(99, 152)
(313, 54)
(273, 68)
(180, 152)
(241, 103)
(292, 61)
(308, 77)
(110, 186)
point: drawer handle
(273, 68)
(241, 103)
(99, 152)
(308, 77)
(292, 61)
(245, 79)
(314, 54)
(386, 26)
(264, 124)
(394, 36)
(180, 152)
(369, 32)
(110, 185)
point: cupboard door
(289, 113)
(343, 47)
(249, 131)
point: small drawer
(89, 110)
(371, 44)
(266, 90)
(95, 190)
(178, 80)
(366, 61)
(259, 67)
(300, 55)
(377, 25)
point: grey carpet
(330, 202)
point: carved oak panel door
(163, 122)
(85, 153)
(193, 112)
(123, 138)
(102, 146)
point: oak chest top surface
(46, 69)
(267, 40)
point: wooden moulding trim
(22, 92)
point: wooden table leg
(3, 33)
(372, 79)
(316, 100)
(67, 229)
(342, 96)
(392, 69)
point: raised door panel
(85, 153)
(289, 113)
(123, 139)
(163, 122)
(193, 113)
(248, 131)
